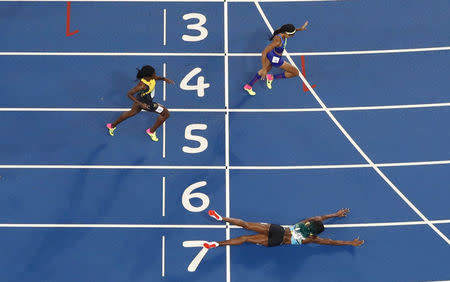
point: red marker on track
(68, 33)
(305, 89)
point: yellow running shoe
(111, 129)
(269, 79)
(249, 89)
(152, 135)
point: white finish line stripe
(227, 140)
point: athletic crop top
(151, 88)
(280, 49)
(299, 231)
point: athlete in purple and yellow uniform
(145, 90)
(272, 57)
(271, 235)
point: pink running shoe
(152, 135)
(210, 245)
(249, 89)
(269, 79)
(111, 129)
(215, 215)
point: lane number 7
(198, 258)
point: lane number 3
(198, 26)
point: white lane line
(164, 196)
(414, 163)
(164, 26)
(131, 226)
(299, 167)
(186, 1)
(287, 110)
(164, 140)
(390, 107)
(112, 1)
(209, 226)
(367, 52)
(159, 54)
(341, 166)
(284, 1)
(325, 53)
(350, 139)
(385, 224)
(163, 256)
(281, 167)
(164, 82)
(358, 52)
(110, 167)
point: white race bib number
(275, 60)
(159, 109)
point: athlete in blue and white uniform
(272, 56)
(270, 235)
(145, 91)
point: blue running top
(280, 49)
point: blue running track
(79, 205)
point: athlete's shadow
(121, 82)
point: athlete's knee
(295, 72)
(165, 114)
(242, 239)
(245, 224)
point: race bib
(275, 60)
(159, 109)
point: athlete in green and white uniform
(270, 235)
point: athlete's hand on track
(342, 212)
(169, 81)
(356, 242)
(304, 25)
